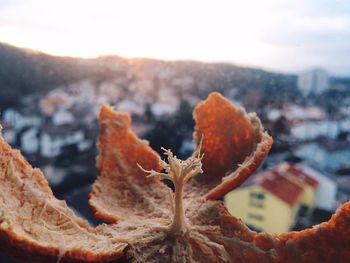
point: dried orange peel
(234, 144)
(122, 190)
(37, 227)
(150, 223)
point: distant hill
(24, 71)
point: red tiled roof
(279, 186)
(295, 171)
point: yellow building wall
(308, 196)
(277, 216)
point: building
(269, 203)
(274, 200)
(161, 109)
(61, 117)
(54, 139)
(18, 119)
(313, 82)
(330, 155)
(326, 193)
(309, 185)
(311, 130)
(130, 107)
(29, 140)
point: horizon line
(241, 65)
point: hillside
(25, 72)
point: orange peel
(37, 227)
(234, 144)
(33, 223)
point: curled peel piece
(234, 144)
(122, 190)
(36, 227)
(327, 242)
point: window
(257, 195)
(255, 217)
(256, 199)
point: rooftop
(279, 186)
(300, 174)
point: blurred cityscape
(49, 107)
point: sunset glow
(246, 32)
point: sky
(280, 35)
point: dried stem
(179, 172)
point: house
(313, 129)
(54, 138)
(20, 118)
(274, 200)
(29, 140)
(130, 107)
(326, 193)
(61, 117)
(269, 202)
(84, 112)
(307, 183)
(329, 154)
(49, 104)
(162, 109)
